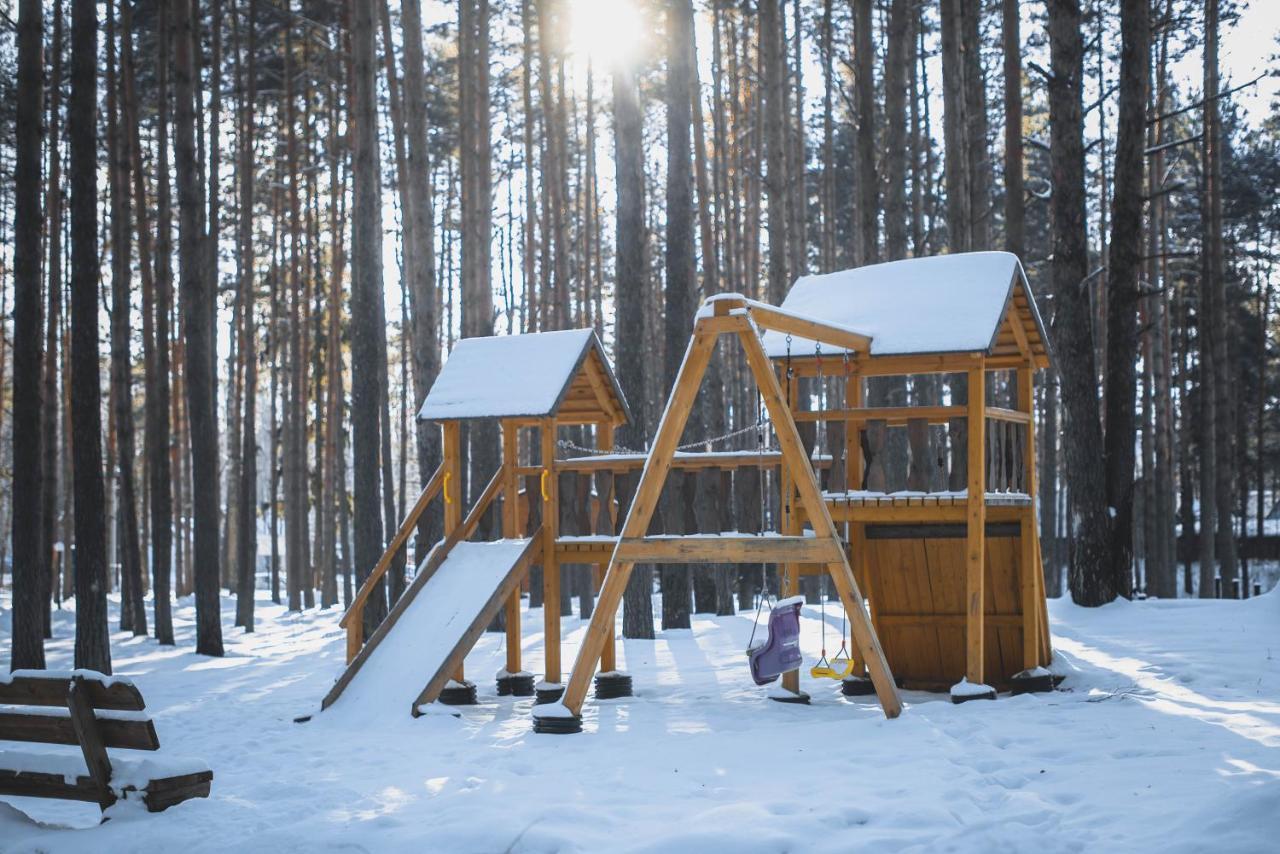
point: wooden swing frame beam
(742, 318)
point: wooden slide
(429, 631)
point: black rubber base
(459, 695)
(516, 685)
(557, 726)
(542, 696)
(985, 695)
(857, 686)
(613, 686)
(1025, 683)
(800, 699)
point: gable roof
(961, 303)
(533, 375)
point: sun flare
(606, 32)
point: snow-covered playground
(1164, 736)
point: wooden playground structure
(938, 589)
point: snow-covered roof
(532, 375)
(937, 304)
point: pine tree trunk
(629, 288)
(864, 96)
(29, 562)
(1223, 482)
(1122, 291)
(773, 88)
(1014, 195)
(133, 615)
(368, 341)
(196, 291)
(246, 492)
(895, 115)
(1073, 338)
(422, 271)
(159, 404)
(92, 648)
(679, 291)
(49, 421)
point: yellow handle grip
(545, 495)
(447, 498)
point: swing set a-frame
(735, 316)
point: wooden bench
(95, 712)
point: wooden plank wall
(920, 615)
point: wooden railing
(937, 458)
(353, 619)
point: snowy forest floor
(1165, 736)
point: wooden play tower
(931, 541)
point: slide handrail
(353, 619)
(429, 492)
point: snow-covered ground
(1166, 736)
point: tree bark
(422, 270)
(29, 561)
(864, 96)
(773, 62)
(92, 648)
(133, 614)
(1073, 337)
(1014, 193)
(1124, 271)
(246, 511)
(629, 289)
(49, 421)
(196, 292)
(1223, 433)
(368, 341)
(157, 422)
(681, 271)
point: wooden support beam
(511, 530)
(975, 539)
(550, 489)
(605, 525)
(1035, 625)
(1015, 416)
(683, 460)
(768, 317)
(1019, 333)
(864, 634)
(895, 416)
(674, 417)
(728, 549)
(453, 495)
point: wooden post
(976, 517)
(643, 505)
(655, 472)
(604, 441)
(452, 490)
(1028, 563)
(510, 530)
(806, 485)
(853, 432)
(85, 726)
(550, 567)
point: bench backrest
(40, 709)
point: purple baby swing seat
(781, 650)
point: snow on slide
(431, 626)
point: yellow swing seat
(838, 667)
